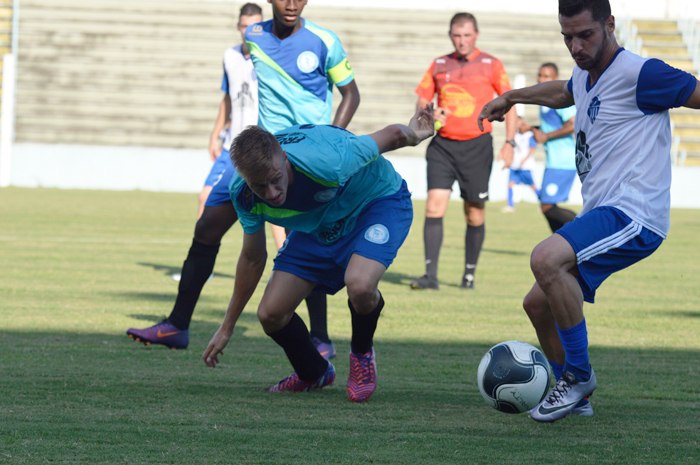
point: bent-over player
(349, 212)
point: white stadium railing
(690, 30)
(628, 35)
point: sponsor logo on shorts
(307, 62)
(483, 195)
(377, 234)
(325, 196)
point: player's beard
(598, 58)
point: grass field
(80, 267)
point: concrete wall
(184, 170)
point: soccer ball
(513, 377)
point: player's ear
(610, 24)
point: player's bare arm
(694, 99)
(221, 120)
(566, 130)
(393, 137)
(251, 264)
(348, 105)
(507, 151)
(552, 94)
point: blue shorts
(521, 177)
(606, 241)
(219, 178)
(556, 185)
(380, 230)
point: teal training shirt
(336, 174)
(561, 152)
(296, 75)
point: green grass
(80, 267)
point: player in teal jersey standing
(297, 64)
(349, 212)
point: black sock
(305, 359)
(195, 272)
(558, 217)
(472, 248)
(432, 239)
(318, 309)
(363, 327)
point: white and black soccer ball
(513, 377)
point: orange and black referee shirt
(464, 87)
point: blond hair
(252, 152)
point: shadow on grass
(101, 395)
(171, 270)
(682, 313)
(506, 252)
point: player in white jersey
(523, 162)
(623, 142)
(217, 214)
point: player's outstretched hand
(216, 347)
(423, 123)
(495, 110)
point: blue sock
(557, 368)
(510, 196)
(575, 342)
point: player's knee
(543, 265)
(270, 320)
(361, 292)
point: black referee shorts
(467, 161)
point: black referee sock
(432, 239)
(305, 359)
(363, 327)
(195, 271)
(558, 217)
(318, 310)
(472, 247)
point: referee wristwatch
(511, 142)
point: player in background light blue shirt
(350, 212)
(556, 133)
(297, 64)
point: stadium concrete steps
(662, 40)
(5, 35)
(148, 73)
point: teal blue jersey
(335, 175)
(296, 75)
(561, 152)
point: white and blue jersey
(335, 175)
(296, 75)
(623, 143)
(623, 136)
(560, 152)
(241, 84)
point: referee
(464, 81)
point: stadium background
(122, 94)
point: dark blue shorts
(606, 241)
(521, 177)
(219, 178)
(380, 230)
(556, 185)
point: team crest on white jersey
(377, 234)
(307, 62)
(593, 109)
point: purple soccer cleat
(163, 333)
(326, 349)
